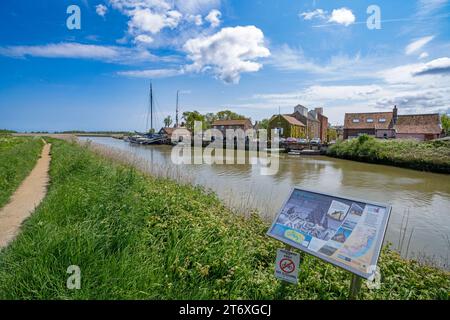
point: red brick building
(391, 125)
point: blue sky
(248, 56)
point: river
(420, 200)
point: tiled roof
(292, 120)
(363, 124)
(419, 124)
(169, 130)
(231, 122)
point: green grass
(427, 156)
(137, 237)
(18, 155)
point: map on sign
(346, 232)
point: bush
(427, 156)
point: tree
(331, 134)
(264, 124)
(209, 119)
(168, 121)
(191, 116)
(229, 115)
(445, 120)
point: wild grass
(140, 237)
(18, 155)
(426, 156)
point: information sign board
(343, 231)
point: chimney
(319, 110)
(395, 114)
(302, 110)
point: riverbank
(18, 155)
(433, 156)
(137, 237)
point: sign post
(355, 287)
(345, 232)
(287, 265)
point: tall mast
(176, 115)
(151, 107)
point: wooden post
(355, 287)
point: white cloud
(417, 45)
(214, 18)
(228, 53)
(414, 88)
(79, 51)
(428, 6)
(196, 19)
(342, 16)
(144, 20)
(434, 67)
(336, 67)
(153, 17)
(144, 39)
(196, 6)
(101, 10)
(309, 15)
(409, 74)
(151, 73)
(423, 55)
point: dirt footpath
(25, 199)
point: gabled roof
(363, 124)
(419, 124)
(232, 122)
(169, 130)
(290, 119)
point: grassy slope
(17, 158)
(427, 156)
(135, 237)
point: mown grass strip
(18, 156)
(137, 237)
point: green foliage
(168, 121)
(445, 120)
(427, 156)
(229, 115)
(264, 124)
(331, 134)
(18, 155)
(137, 237)
(191, 117)
(6, 131)
(208, 119)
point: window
(369, 120)
(382, 120)
(355, 120)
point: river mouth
(419, 226)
